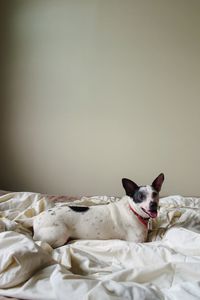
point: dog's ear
(129, 186)
(157, 183)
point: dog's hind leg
(55, 236)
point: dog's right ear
(129, 186)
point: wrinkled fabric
(166, 267)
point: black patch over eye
(139, 197)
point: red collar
(144, 221)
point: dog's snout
(153, 206)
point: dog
(126, 219)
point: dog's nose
(153, 206)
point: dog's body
(126, 219)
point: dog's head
(145, 197)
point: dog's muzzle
(153, 206)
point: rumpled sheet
(166, 267)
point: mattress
(167, 266)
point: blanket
(165, 267)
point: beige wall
(98, 90)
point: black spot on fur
(55, 224)
(79, 208)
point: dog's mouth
(151, 213)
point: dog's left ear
(129, 186)
(157, 183)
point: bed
(167, 266)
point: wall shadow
(6, 11)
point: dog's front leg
(136, 237)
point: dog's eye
(141, 196)
(154, 194)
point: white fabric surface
(168, 267)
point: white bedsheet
(168, 267)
